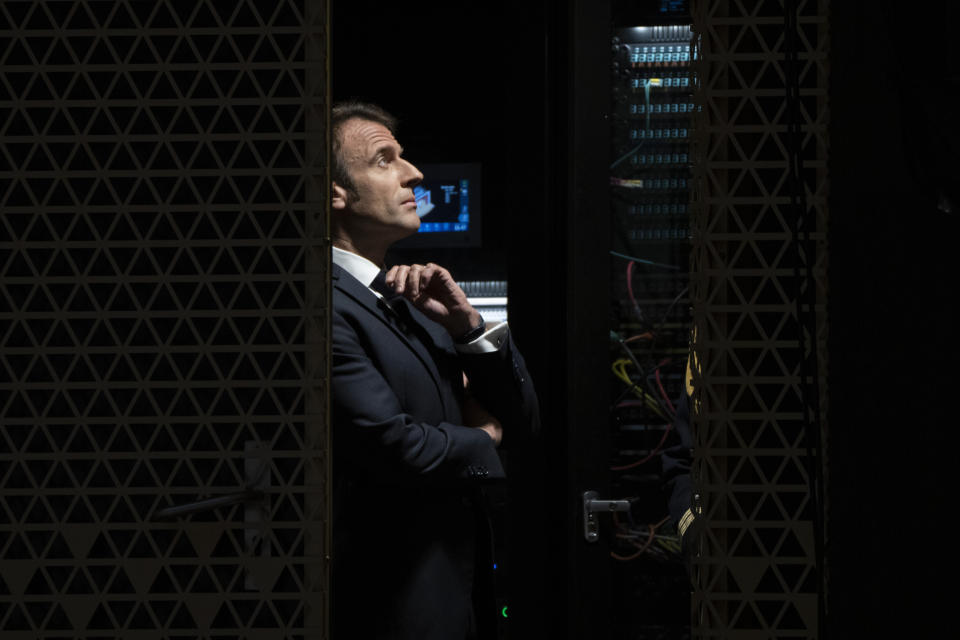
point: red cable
(653, 530)
(655, 451)
(663, 392)
(633, 300)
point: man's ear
(339, 197)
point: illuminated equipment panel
(650, 186)
(488, 297)
(449, 206)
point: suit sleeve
(373, 432)
(502, 384)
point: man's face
(382, 201)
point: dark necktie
(397, 305)
(380, 285)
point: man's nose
(411, 175)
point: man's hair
(340, 114)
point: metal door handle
(209, 504)
(592, 505)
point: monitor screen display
(448, 203)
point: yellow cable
(620, 370)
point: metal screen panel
(162, 301)
(758, 287)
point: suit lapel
(390, 317)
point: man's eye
(381, 162)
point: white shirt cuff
(489, 342)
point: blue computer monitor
(449, 206)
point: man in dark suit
(422, 394)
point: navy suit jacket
(408, 520)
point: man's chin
(401, 232)
(412, 226)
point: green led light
(503, 612)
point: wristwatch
(473, 334)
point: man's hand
(474, 415)
(433, 291)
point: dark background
(893, 440)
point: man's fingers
(438, 280)
(418, 282)
(435, 270)
(427, 275)
(407, 279)
(414, 281)
(396, 277)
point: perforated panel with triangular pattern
(162, 301)
(758, 286)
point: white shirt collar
(356, 265)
